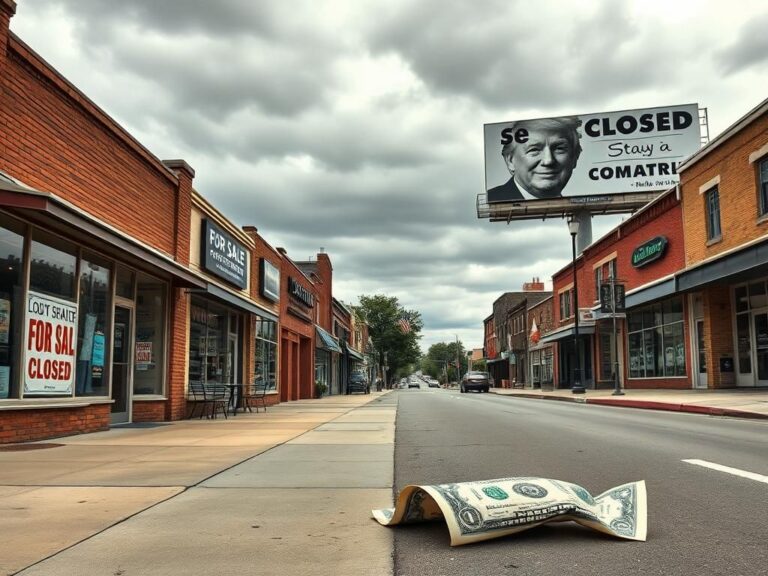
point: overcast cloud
(356, 126)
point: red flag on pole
(404, 323)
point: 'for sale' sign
(50, 326)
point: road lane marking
(729, 470)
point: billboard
(589, 155)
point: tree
(382, 314)
(440, 361)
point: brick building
(724, 191)
(298, 314)
(652, 347)
(121, 284)
(541, 354)
(327, 346)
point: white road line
(729, 470)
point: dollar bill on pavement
(482, 510)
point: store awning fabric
(355, 354)
(325, 341)
(568, 333)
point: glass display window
(11, 302)
(149, 351)
(93, 335)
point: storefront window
(92, 332)
(322, 365)
(214, 343)
(656, 341)
(51, 316)
(54, 262)
(11, 303)
(265, 361)
(149, 362)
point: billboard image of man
(540, 156)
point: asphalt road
(701, 521)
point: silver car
(480, 381)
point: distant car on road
(358, 382)
(480, 381)
(432, 383)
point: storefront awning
(493, 360)
(568, 332)
(651, 293)
(745, 263)
(56, 214)
(326, 341)
(355, 354)
(239, 302)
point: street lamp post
(577, 388)
(616, 382)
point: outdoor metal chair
(195, 398)
(217, 397)
(254, 393)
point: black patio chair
(254, 393)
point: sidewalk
(288, 491)
(740, 403)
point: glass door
(701, 356)
(760, 323)
(122, 365)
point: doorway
(760, 325)
(122, 364)
(701, 355)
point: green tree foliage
(441, 358)
(382, 313)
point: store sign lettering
(50, 327)
(223, 255)
(300, 293)
(649, 252)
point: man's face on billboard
(544, 163)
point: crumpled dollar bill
(486, 509)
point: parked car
(358, 382)
(480, 381)
(432, 383)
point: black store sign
(649, 252)
(606, 302)
(300, 293)
(223, 255)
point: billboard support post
(577, 388)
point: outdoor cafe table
(235, 396)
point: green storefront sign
(649, 252)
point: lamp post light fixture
(577, 388)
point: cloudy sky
(357, 125)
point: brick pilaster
(182, 223)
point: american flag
(404, 323)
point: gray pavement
(288, 491)
(740, 403)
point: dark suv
(358, 382)
(479, 381)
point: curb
(645, 405)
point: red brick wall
(27, 425)
(178, 347)
(297, 337)
(325, 291)
(56, 140)
(148, 411)
(662, 219)
(738, 194)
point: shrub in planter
(320, 389)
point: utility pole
(458, 360)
